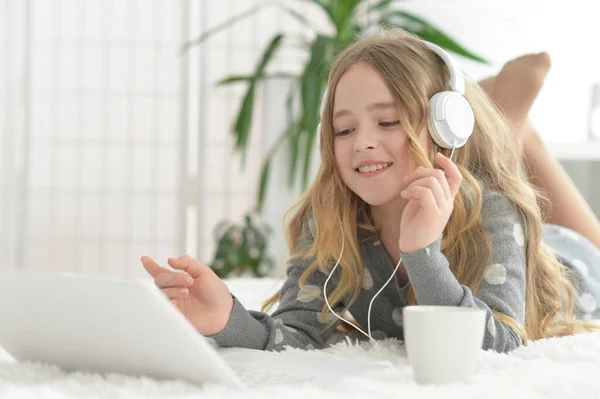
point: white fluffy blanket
(554, 368)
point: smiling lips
(372, 169)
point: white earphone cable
(378, 292)
(453, 148)
(368, 333)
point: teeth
(373, 168)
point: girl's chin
(378, 199)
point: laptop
(108, 325)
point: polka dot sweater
(298, 321)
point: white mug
(443, 343)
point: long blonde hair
(491, 159)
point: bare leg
(516, 86)
(568, 207)
(514, 89)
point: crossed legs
(514, 89)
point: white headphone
(450, 122)
(450, 119)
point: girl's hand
(198, 293)
(431, 194)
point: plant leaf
(342, 12)
(345, 36)
(310, 140)
(235, 79)
(291, 128)
(248, 78)
(311, 84)
(311, 90)
(243, 122)
(294, 135)
(264, 180)
(244, 119)
(294, 152)
(427, 32)
(274, 44)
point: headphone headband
(450, 118)
(457, 81)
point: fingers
(173, 279)
(188, 265)
(175, 293)
(434, 186)
(453, 175)
(167, 277)
(422, 173)
(174, 284)
(424, 195)
(153, 268)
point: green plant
(242, 249)
(345, 17)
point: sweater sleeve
(297, 322)
(503, 288)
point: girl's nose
(365, 140)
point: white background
(115, 145)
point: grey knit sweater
(297, 321)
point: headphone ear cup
(450, 120)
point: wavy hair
(491, 159)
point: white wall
(504, 30)
(100, 94)
(12, 54)
(111, 137)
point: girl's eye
(344, 132)
(388, 124)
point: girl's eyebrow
(370, 108)
(383, 105)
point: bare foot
(517, 85)
(487, 84)
(531, 65)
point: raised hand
(430, 194)
(198, 293)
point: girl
(388, 200)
